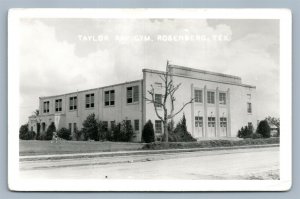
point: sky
(58, 56)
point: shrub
(256, 136)
(116, 132)
(64, 134)
(264, 129)
(126, 131)
(209, 143)
(148, 132)
(90, 128)
(122, 132)
(245, 132)
(25, 134)
(102, 130)
(49, 133)
(78, 134)
(180, 133)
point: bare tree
(168, 96)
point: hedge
(209, 143)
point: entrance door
(199, 126)
(211, 130)
(223, 126)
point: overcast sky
(57, 58)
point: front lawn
(37, 147)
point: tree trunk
(166, 131)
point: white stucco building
(222, 104)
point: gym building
(221, 105)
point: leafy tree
(90, 128)
(148, 132)
(245, 132)
(25, 134)
(264, 129)
(49, 133)
(64, 134)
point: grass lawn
(36, 147)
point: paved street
(260, 163)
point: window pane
(135, 93)
(136, 125)
(129, 95)
(158, 100)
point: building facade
(221, 104)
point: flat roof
(203, 72)
(103, 87)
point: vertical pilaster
(217, 113)
(228, 114)
(205, 111)
(192, 111)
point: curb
(140, 152)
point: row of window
(198, 95)
(132, 96)
(211, 121)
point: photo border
(284, 184)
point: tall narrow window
(132, 94)
(89, 100)
(211, 121)
(109, 98)
(158, 100)
(198, 121)
(136, 125)
(223, 122)
(222, 98)
(74, 127)
(158, 126)
(70, 127)
(249, 107)
(43, 126)
(198, 96)
(210, 97)
(46, 107)
(73, 103)
(58, 105)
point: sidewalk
(139, 152)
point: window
(58, 105)
(210, 97)
(105, 125)
(136, 125)
(74, 127)
(198, 96)
(249, 107)
(158, 126)
(73, 103)
(132, 94)
(223, 122)
(198, 121)
(46, 107)
(109, 98)
(211, 121)
(158, 100)
(222, 98)
(89, 100)
(70, 127)
(31, 128)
